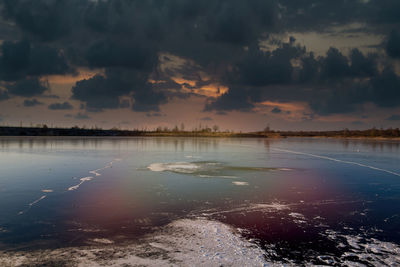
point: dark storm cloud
(28, 87)
(386, 89)
(259, 68)
(331, 84)
(336, 65)
(239, 22)
(217, 37)
(306, 15)
(32, 102)
(98, 92)
(46, 20)
(105, 91)
(61, 106)
(393, 44)
(339, 99)
(21, 59)
(148, 100)
(109, 53)
(235, 99)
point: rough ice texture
(202, 242)
(180, 167)
(186, 242)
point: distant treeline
(202, 132)
(74, 131)
(373, 132)
(77, 131)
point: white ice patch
(186, 242)
(96, 173)
(299, 218)
(31, 204)
(297, 215)
(240, 183)
(84, 179)
(179, 167)
(209, 243)
(47, 190)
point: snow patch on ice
(185, 242)
(84, 179)
(240, 183)
(179, 167)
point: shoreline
(370, 134)
(250, 136)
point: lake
(199, 201)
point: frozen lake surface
(199, 201)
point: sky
(241, 65)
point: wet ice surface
(305, 240)
(202, 241)
(199, 202)
(185, 242)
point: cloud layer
(241, 45)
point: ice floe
(84, 179)
(179, 167)
(240, 183)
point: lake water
(199, 201)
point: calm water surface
(300, 200)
